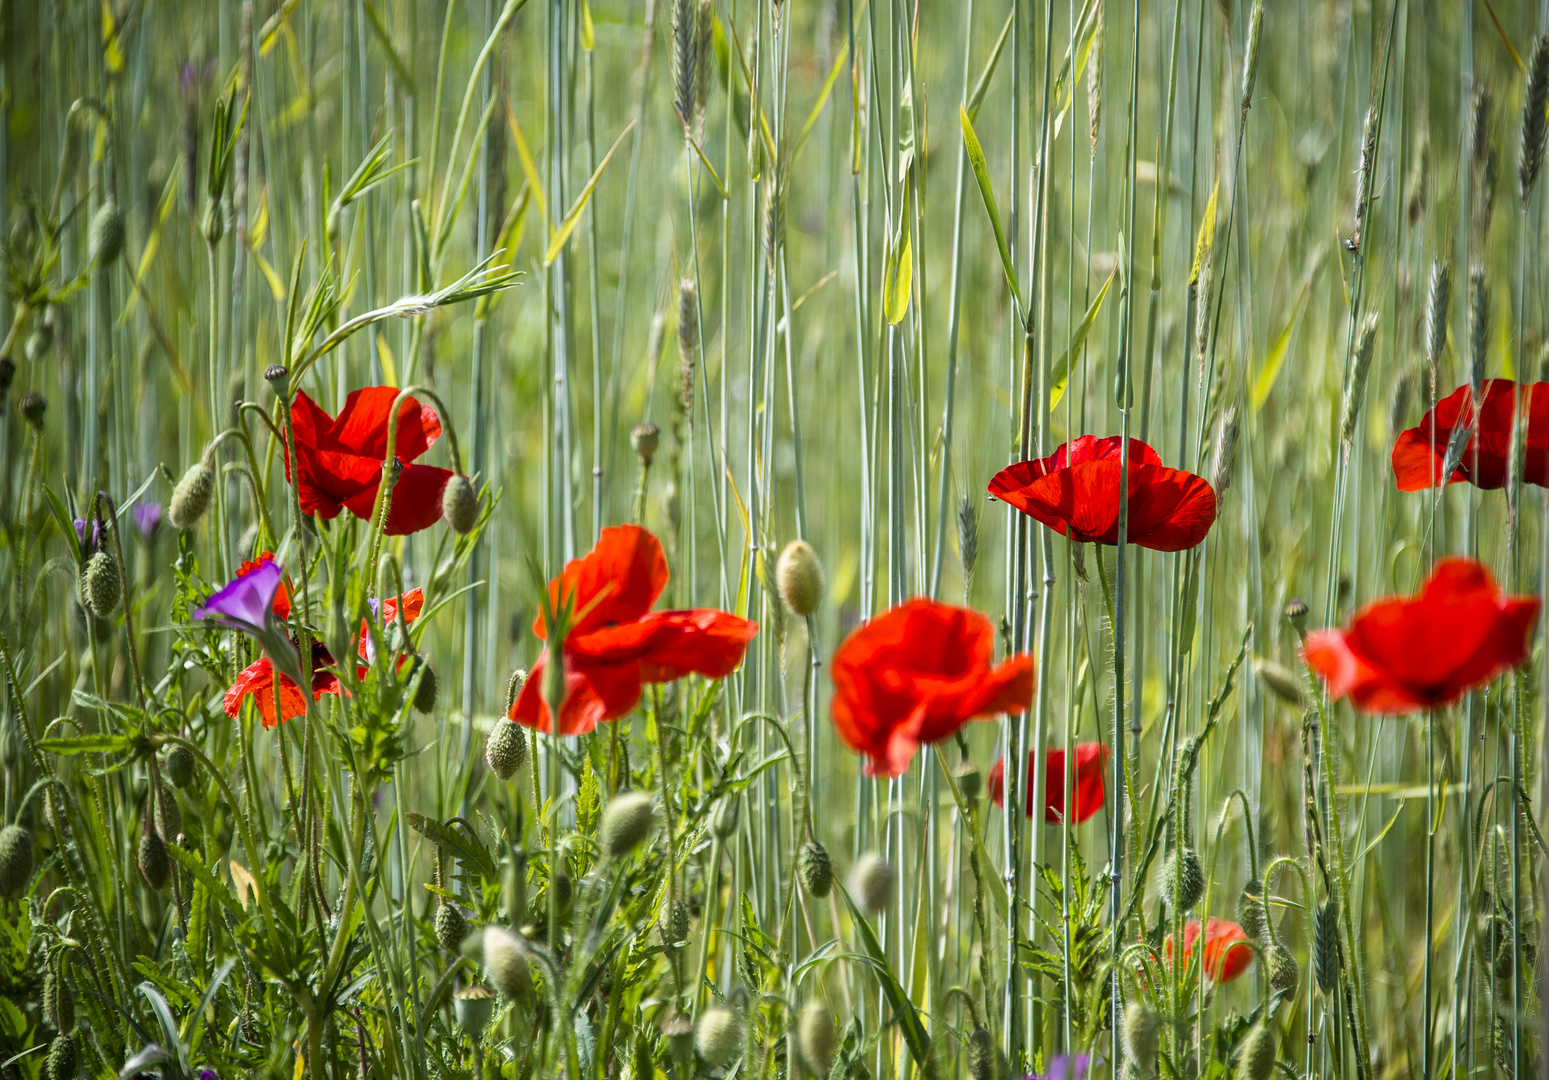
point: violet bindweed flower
(1063, 1067)
(80, 535)
(247, 602)
(147, 518)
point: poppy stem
(106, 515)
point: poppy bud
(1280, 681)
(104, 585)
(564, 891)
(473, 1006)
(1185, 877)
(719, 1035)
(63, 1063)
(1258, 1054)
(425, 694)
(155, 862)
(817, 1037)
(673, 925)
(817, 872)
(645, 437)
(679, 1034)
(626, 821)
(191, 497)
(31, 407)
(15, 860)
(1250, 908)
(506, 749)
(166, 815)
(451, 927)
(58, 1002)
(514, 687)
(970, 779)
(1284, 972)
(723, 823)
(1325, 946)
(105, 238)
(179, 765)
(799, 576)
(39, 342)
(872, 882)
(460, 505)
(981, 1054)
(1141, 1025)
(505, 958)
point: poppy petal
(416, 501)
(594, 693)
(361, 427)
(617, 582)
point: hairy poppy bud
(970, 780)
(645, 437)
(719, 1035)
(425, 694)
(723, 823)
(63, 1062)
(1250, 908)
(817, 872)
(105, 238)
(31, 407)
(166, 815)
(679, 1034)
(15, 860)
(39, 342)
(1279, 680)
(505, 958)
(1185, 878)
(473, 1006)
(104, 585)
(58, 1002)
(1258, 1054)
(179, 765)
(155, 862)
(451, 927)
(460, 505)
(673, 925)
(1284, 972)
(514, 686)
(626, 821)
(872, 882)
(191, 497)
(1140, 1036)
(817, 1037)
(506, 749)
(799, 576)
(981, 1054)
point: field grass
(745, 272)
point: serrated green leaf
(469, 850)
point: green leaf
(470, 851)
(903, 1009)
(573, 217)
(898, 276)
(86, 744)
(982, 175)
(1271, 370)
(1061, 373)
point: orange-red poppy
(341, 459)
(915, 675)
(258, 679)
(1227, 952)
(1075, 492)
(617, 643)
(1402, 654)
(1090, 757)
(1483, 459)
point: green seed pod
(460, 505)
(155, 862)
(105, 238)
(981, 1055)
(32, 407)
(626, 821)
(970, 779)
(1184, 877)
(1250, 908)
(817, 1037)
(723, 823)
(1296, 612)
(506, 960)
(1257, 1060)
(451, 927)
(673, 925)
(872, 882)
(191, 497)
(39, 342)
(679, 1034)
(1325, 946)
(1284, 972)
(815, 869)
(179, 765)
(473, 1006)
(799, 576)
(104, 585)
(718, 1035)
(15, 860)
(645, 437)
(425, 693)
(166, 815)
(58, 1002)
(1141, 1037)
(63, 1062)
(505, 750)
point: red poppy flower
(1089, 782)
(1075, 492)
(618, 643)
(917, 674)
(341, 459)
(258, 678)
(1407, 653)
(1420, 453)
(413, 601)
(1227, 952)
(281, 594)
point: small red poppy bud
(506, 749)
(103, 585)
(191, 497)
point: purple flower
(1064, 1067)
(208, 1074)
(246, 602)
(147, 518)
(80, 535)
